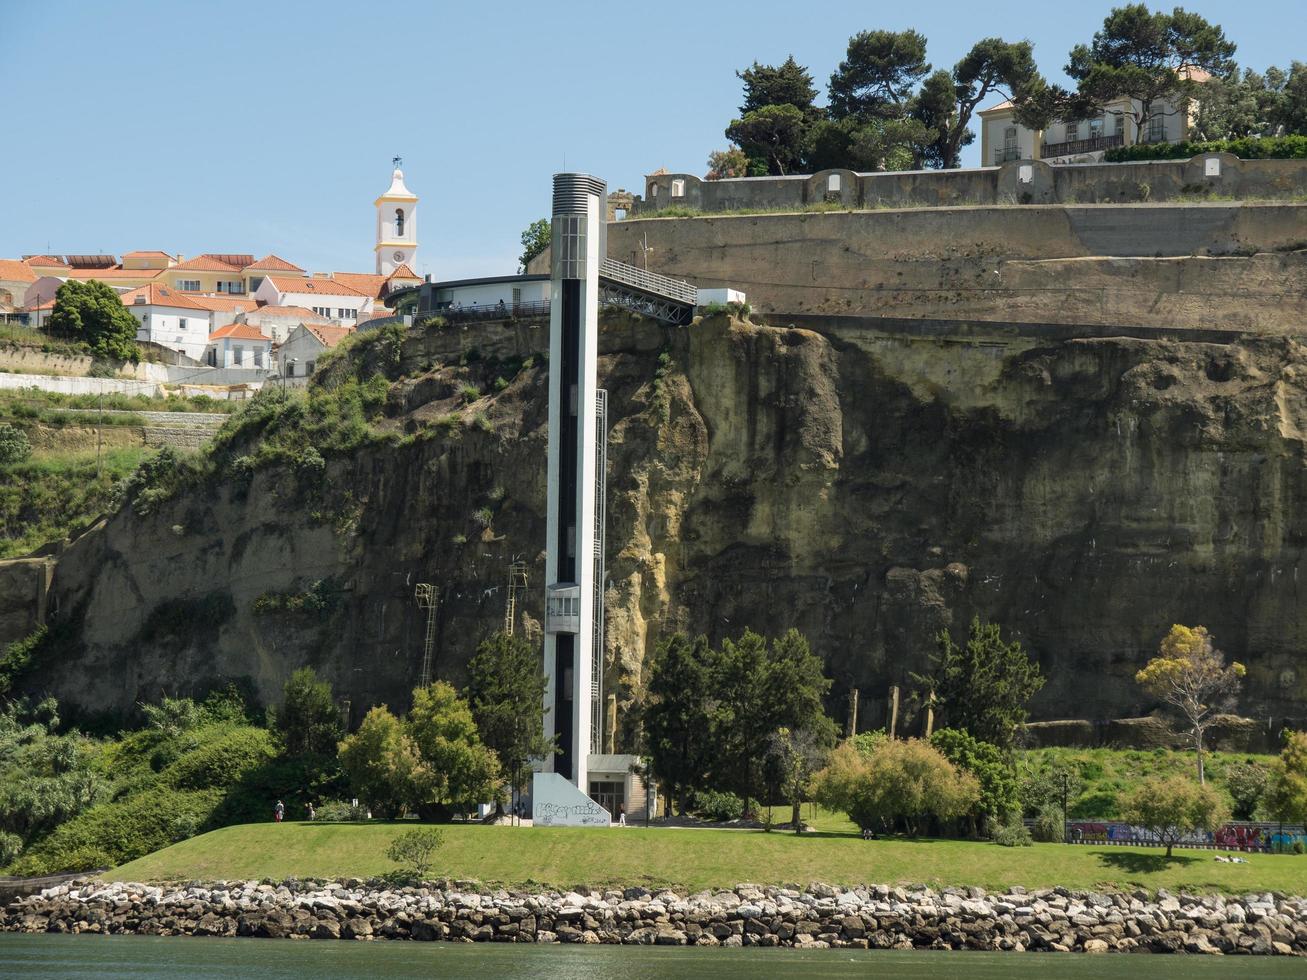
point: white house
(169, 318)
(1082, 140)
(329, 298)
(278, 322)
(298, 356)
(238, 345)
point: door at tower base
(555, 802)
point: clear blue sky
(269, 127)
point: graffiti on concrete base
(1235, 836)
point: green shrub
(1049, 826)
(113, 833)
(416, 850)
(11, 845)
(221, 760)
(339, 811)
(1247, 783)
(14, 447)
(469, 393)
(1097, 805)
(1245, 148)
(712, 805)
(1012, 835)
(21, 656)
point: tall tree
(1172, 808)
(878, 75)
(1192, 677)
(506, 691)
(308, 720)
(796, 756)
(1289, 115)
(535, 239)
(773, 133)
(1152, 59)
(457, 769)
(381, 762)
(983, 687)
(763, 687)
(789, 83)
(678, 714)
(1286, 795)
(948, 101)
(93, 312)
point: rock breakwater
(868, 917)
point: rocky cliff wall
(868, 489)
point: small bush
(1013, 835)
(1095, 806)
(469, 393)
(222, 761)
(14, 447)
(484, 516)
(415, 850)
(1245, 148)
(11, 845)
(338, 811)
(1048, 827)
(712, 805)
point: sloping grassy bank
(697, 859)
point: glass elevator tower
(574, 574)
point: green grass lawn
(697, 859)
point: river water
(272, 959)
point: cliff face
(866, 489)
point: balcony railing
(1072, 147)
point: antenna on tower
(397, 161)
(425, 594)
(516, 593)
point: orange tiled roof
(273, 263)
(205, 263)
(289, 312)
(223, 304)
(330, 336)
(14, 271)
(47, 261)
(237, 331)
(365, 282)
(144, 254)
(325, 287)
(404, 272)
(104, 275)
(157, 294)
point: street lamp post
(1066, 837)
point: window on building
(255, 282)
(653, 190)
(211, 355)
(1095, 128)
(1072, 132)
(308, 368)
(1157, 129)
(258, 357)
(1011, 150)
(678, 188)
(289, 369)
(341, 312)
(238, 356)
(181, 323)
(189, 285)
(399, 222)
(1119, 126)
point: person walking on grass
(621, 814)
(313, 814)
(278, 811)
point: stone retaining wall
(868, 917)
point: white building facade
(328, 298)
(238, 345)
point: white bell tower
(397, 226)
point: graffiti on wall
(1235, 836)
